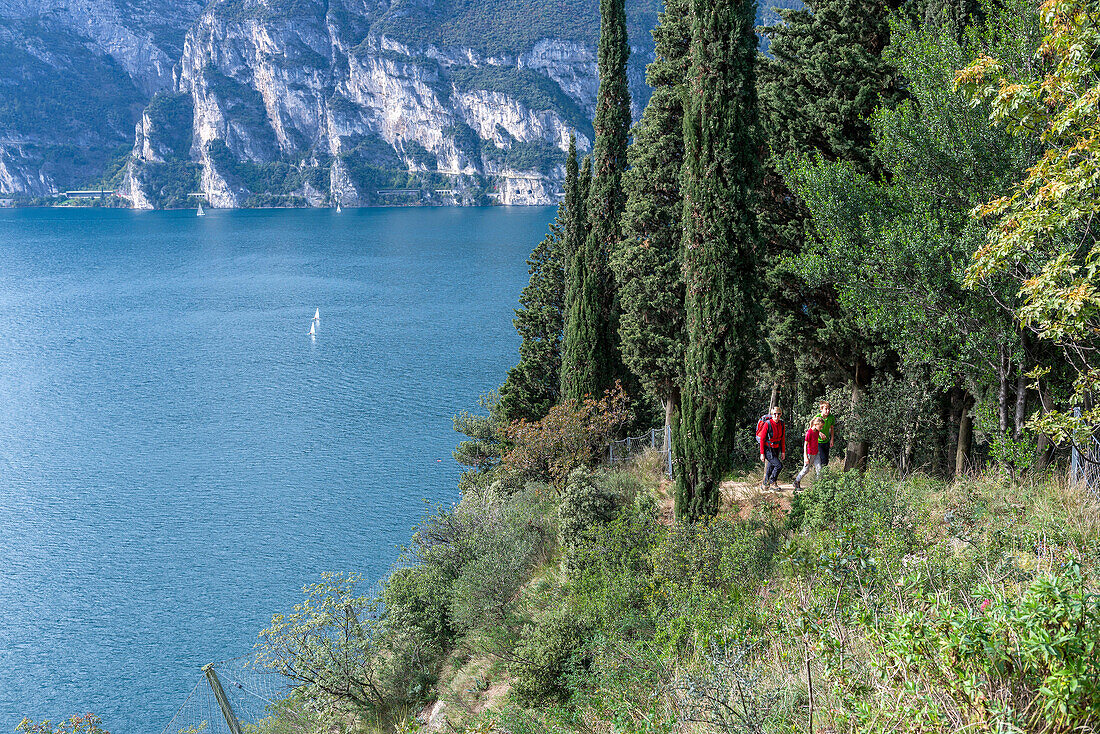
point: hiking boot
(797, 486)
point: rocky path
(742, 498)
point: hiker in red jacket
(773, 448)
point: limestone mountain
(302, 102)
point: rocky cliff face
(302, 102)
(310, 103)
(74, 74)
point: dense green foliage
(65, 105)
(590, 359)
(532, 386)
(647, 262)
(720, 240)
(825, 77)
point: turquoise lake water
(178, 457)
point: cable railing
(658, 439)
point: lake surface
(178, 457)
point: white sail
(313, 328)
(201, 213)
(338, 210)
(317, 316)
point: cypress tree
(590, 359)
(532, 386)
(721, 171)
(576, 222)
(647, 263)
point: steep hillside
(308, 103)
(302, 102)
(76, 74)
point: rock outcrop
(309, 104)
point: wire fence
(238, 696)
(658, 439)
(1084, 466)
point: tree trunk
(949, 421)
(1003, 368)
(962, 448)
(856, 455)
(1021, 402)
(1044, 447)
(671, 404)
(907, 452)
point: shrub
(416, 599)
(86, 724)
(703, 574)
(476, 556)
(1024, 664)
(584, 503)
(613, 570)
(548, 655)
(329, 646)
(842, 498)
(572, 434)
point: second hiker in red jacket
(773, 448)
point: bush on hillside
(469, 561)
(416, 600)
(613, 570)
(704, 575)
(840, 498)
(549, 654)
(573, 434)
(1028, 663)
(330, 646)
(585, 502)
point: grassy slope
(674, 624)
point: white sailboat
(313, 329)
(200, 212)
(317, 316)
(338, 209)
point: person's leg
(823, 453)
(777, 466)
(805, 470)
(771, 473)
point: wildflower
(985, 604)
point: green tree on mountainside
(896, 247)
(817, 92)
(576, 222)
(1041, 234)
(647, 263)
(591, 359)
(721, 170)
(533, 386)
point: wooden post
(223, 700)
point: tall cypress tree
(590, 360)
(721, 171)
(532, 386)
(576, 223)
(647, 262)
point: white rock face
(21, 174)
(317, 119)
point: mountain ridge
(314, 102)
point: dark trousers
(773, 466)
(823, 453)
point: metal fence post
(668, 442)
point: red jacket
(776, 436)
